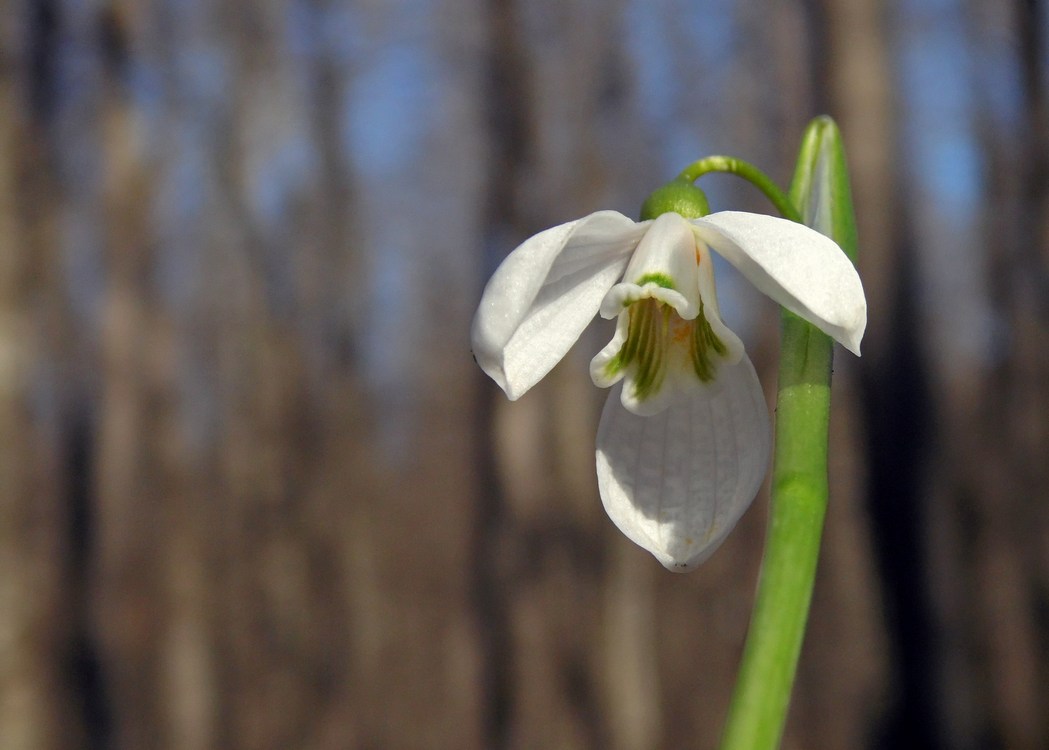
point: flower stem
(798, 505)
(796, 512)
(748, 172)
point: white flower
(684, 440)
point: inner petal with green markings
(669, 336)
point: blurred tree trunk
(254, 493)
(554, 677)
(855, 81)
(260, 583)
(999, 669)
(46, 655)
(241, 574)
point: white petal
(712, 310)
(622, 295)
(677, 482)
(599, 364)
(796, 266)
(545, 293)
(668, 253)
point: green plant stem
(799, 495)
(748, 172)
(788, 571)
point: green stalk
(748, 172)
(796, 512)
(758, 712)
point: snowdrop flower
(684, 439)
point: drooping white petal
(676, 483)
(545, 293)
(796, 266)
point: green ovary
(653, 328)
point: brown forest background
(254, 492)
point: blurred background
(255, 494)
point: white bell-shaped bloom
(684, 440)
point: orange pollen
(680, 329)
